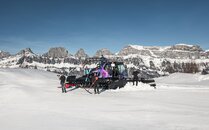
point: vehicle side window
(121, 68)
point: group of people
(92, 84)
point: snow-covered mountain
(26, 52)
(177, 58)
(153, 61)
(177, 51)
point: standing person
(86, 70)
(115, 72)
(62, 83)
(103, 60)
(95, 83)
(86, 73)
(135, 77)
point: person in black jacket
(135, 77)
(114, 73)
(62, 83)
(95, 83)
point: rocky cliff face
(81, 54)
(185, 47)
(105, 52)
(57, 52)
(134, 49)
(4, 54)
(178, 51)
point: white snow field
(30, 100)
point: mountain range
(153, 61)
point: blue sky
(96, 24)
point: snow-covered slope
(30, 100)
(184, 80)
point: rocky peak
(4, 54)
(105, 52)
(81, 54)
(139, 50)
(57, 52)
(186, 47)
(129, 50)
(26, 52)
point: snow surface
(184, 80)
(31, 100)
(184, 44)
(159, 48)
(138, 47)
